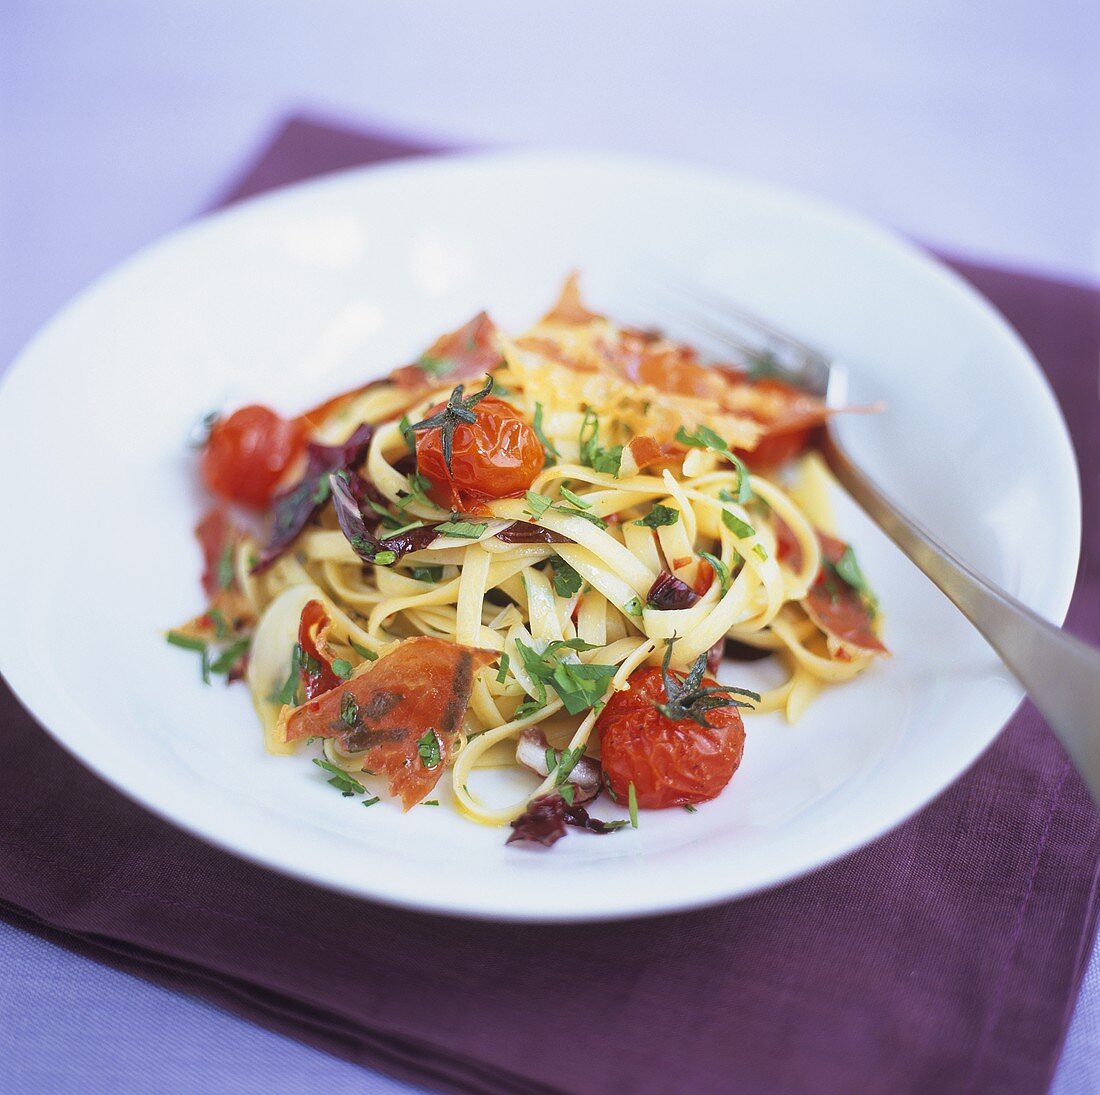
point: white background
(973, 125)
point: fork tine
(785, 356)
(728, 309)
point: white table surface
(971, 125)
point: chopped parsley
(502, 672)
(537, 505)
(388, 519)
(371, 801)
(563, 766)
(633, 607)
(405, 426)
(599, 522)
(568, 793)
(760, 552)
(575, 499)
(349, 711)
(427, 574)
(703, 437)
(467, 530)
(605, 461)
(177, 638)
(344, 783)
(566, 581)
(579, 685)
(225, 567)
(430, 802)
(428, 749)
(741, 529)
(659, 516)
(435, 367)
(848, 569)
(552, 453)
(384, 558)
(229, 657)
(632, 805)
(419, 485)
(364, 652)
(690, 809)
(287, 695)
(342, 668)
(221, 628)
(720, 569)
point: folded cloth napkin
(945, 957)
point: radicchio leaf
(546, 817)
(668, 593)
(522, 532)
(294, 508)
(347, 496)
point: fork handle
(1060, 673)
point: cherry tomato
(670, 763)
(497, 456)
(248, 453)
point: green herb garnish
(502, 671)
(659, 516)
(427, 574)
(364, 652)
(228, 658)
(575, 499)
(435, 367)
(632, 805)
(741, 529)
(703, 437)
(428, 749)
(592, 453)
(177, 638)
(579, 685)
(720, 569)
(349, 711)
(226, 571)
(467, 530)
(537, 505)
(566, 581)
(287, 695)
(344, 783)
(552, 453)
(342, 668)
(633, 607)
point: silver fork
(1060, 673)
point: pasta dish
(528, 552)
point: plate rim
(1055, 606)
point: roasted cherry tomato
(248, 453)
(670, 763)
(496, 456)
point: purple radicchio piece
(348, 495)
(546, 817)
(669, 593)
(523, 532)
(294, 508)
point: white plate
(297, 295)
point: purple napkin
(945, 957)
